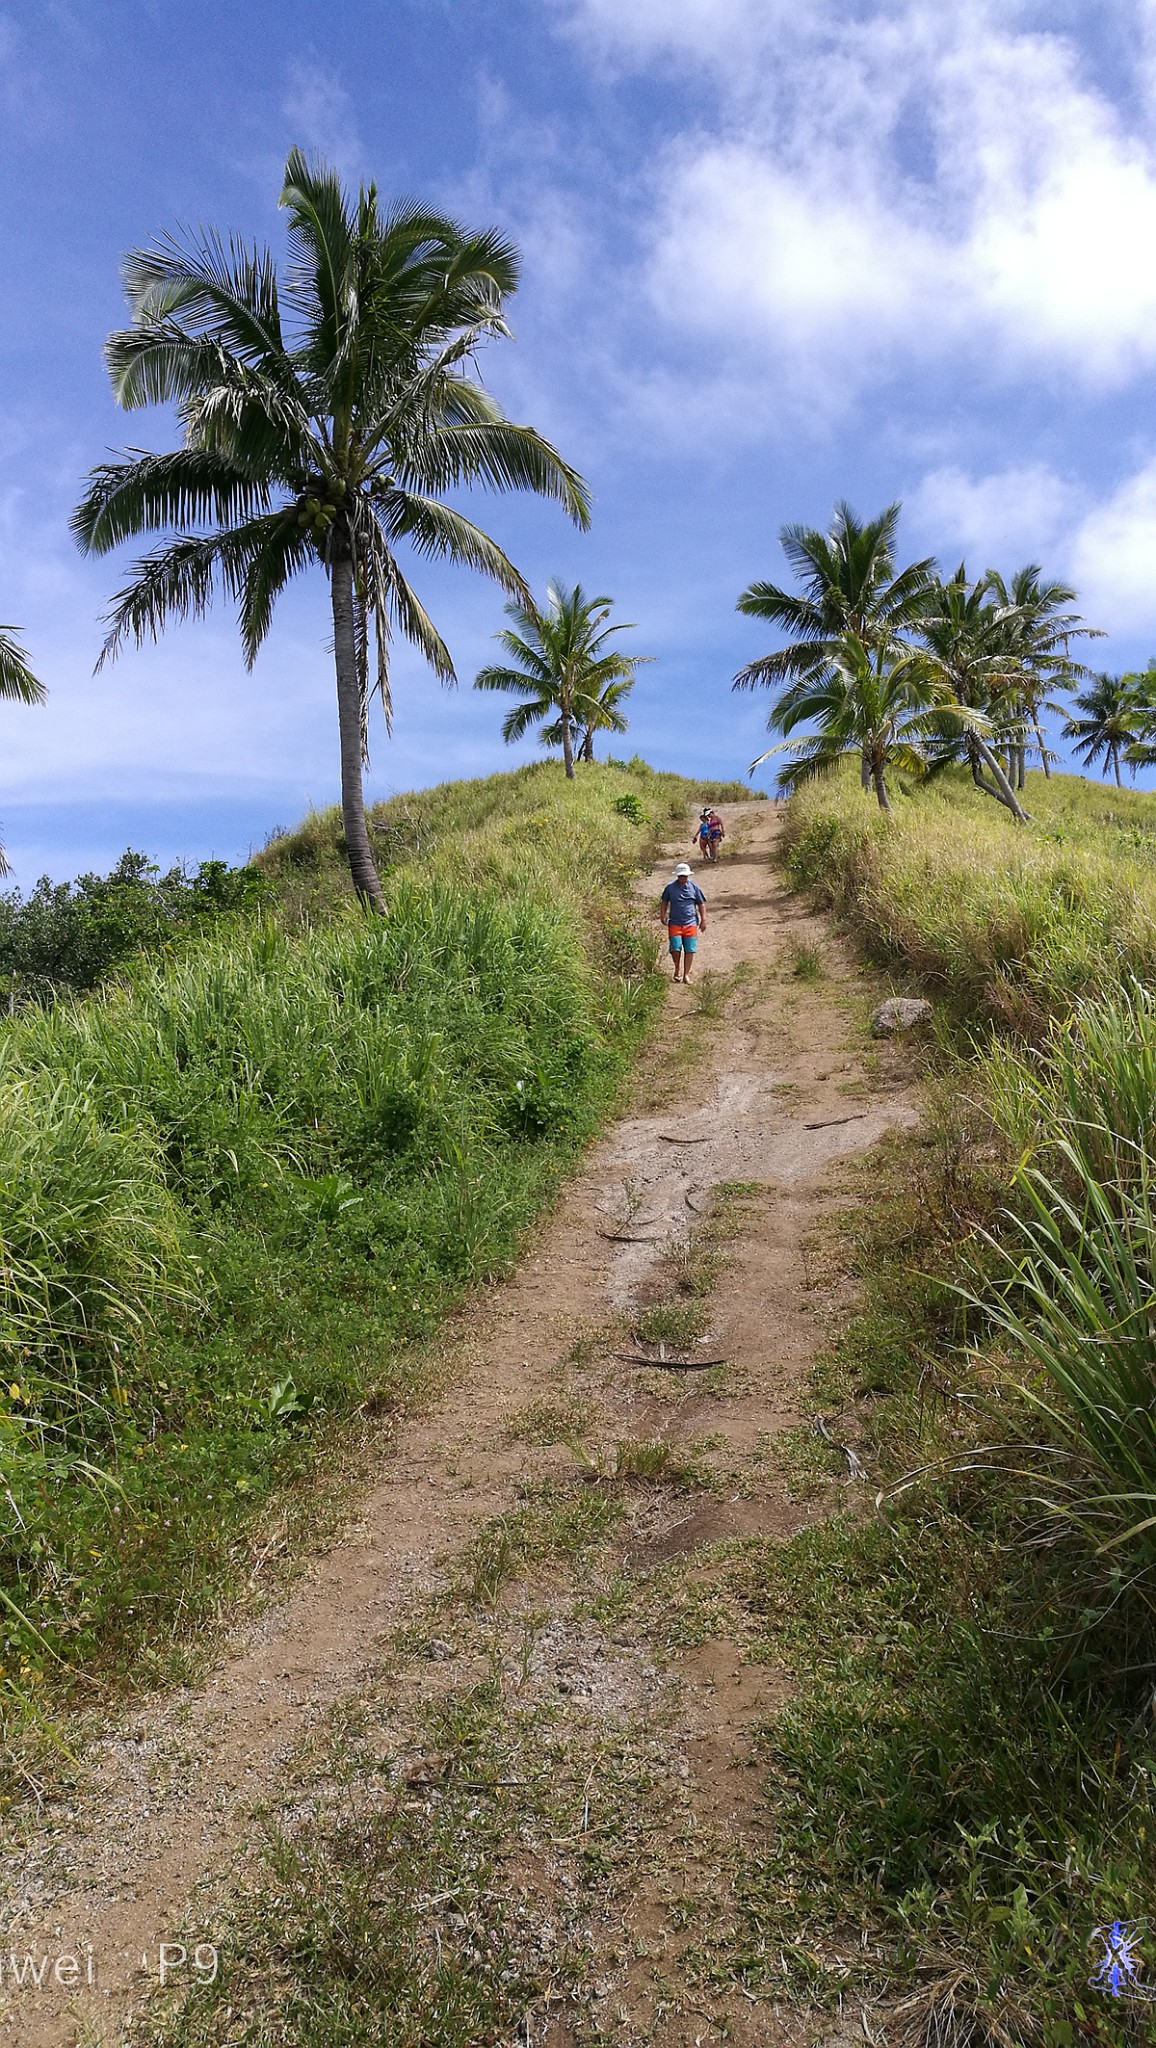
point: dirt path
(779, 1089)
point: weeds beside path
(517, 1630)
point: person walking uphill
(684, 915)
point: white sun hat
(682, 868)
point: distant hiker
(684, 915)
(701, 840)
(717, 832)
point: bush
(71, 935)
(630, 806)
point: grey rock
(900, 1013)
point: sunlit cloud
(911, 184)
(1105, 545)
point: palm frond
(419, 628)
(190, 487)
(508, 457)
(153, 363)
(517, 722)
(277, 549)
(178, 580)
(439, 530)
(496, 678)
(17, 681)
(321, 245)
(225, 292)
(783, 608)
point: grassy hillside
(1009, 923)
(967, 1772)
(518, 829)
(239, 1187)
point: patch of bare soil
(769, 1088)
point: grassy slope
(521, 827)
(967, 1772)
(1007, 923)
(240, 1189)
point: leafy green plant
(65, 937)
(630, 806)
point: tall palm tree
(969, 643)
(325, 415)
(560, 664)
(880, 702)
(1111, 722)
(850, 584)
(1041, 628)
(17, 683)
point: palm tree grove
(578, 1253)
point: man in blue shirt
(684, 915)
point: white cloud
(1106, 547)
(1114, 555)
(320, 113)
(910, 182)
(998, 521)
(713, 32)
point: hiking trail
(774, 1085)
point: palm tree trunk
(999, 787)
(1021, 765)
(567, 746)
(586, 750)
(1116, 765)
(880, 785)
(1044, 763)
(362, 867)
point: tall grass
(1052, 930)
(518, 829)
(236, 1187)
(1075, 1258)
(1007, 924)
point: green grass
(966, 1772)
(240, 1189)
(805, 960)
(527, 824)
(1004, 923)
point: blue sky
(774, 254)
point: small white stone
(900, 1013)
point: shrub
(71, 935)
